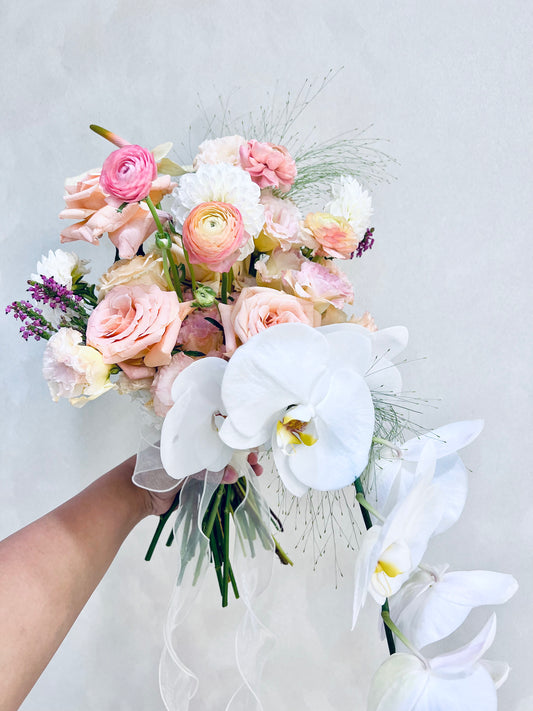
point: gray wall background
(449, 84)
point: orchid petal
(446, 440)
(189, 440)
(277, 368)
(398, 684)
(466, 657)
(499, 671)
(389, 342)
(432, 605)
(344, 422)
(451, 479)
(294, 485)
(350, 347)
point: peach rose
(128, 172)
(139, 270)
(134, 322)
(213, 234)
(282, 224)
(97, 213)
(259, 308)
(269, 166)
(335, 235)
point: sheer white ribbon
(252, 566)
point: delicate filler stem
(386, 443)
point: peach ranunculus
(97, 214)
(197, 333)
(138, 324)
(164, 379)
(128, 172)
(282, 224)
(139, 270)
(322, 284)
(335, 235)
(213, 234)
(269, 165)
(259, 308)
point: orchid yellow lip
(291, 432)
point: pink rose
(259, 308)
(213, 234)
(127, 173)
(164, 379)
(98, 214)
(335, 235)
(322, 284)
(134, 322)
(268, 165)
(199, 334)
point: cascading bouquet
(224, 313)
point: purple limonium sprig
(34, 323)
(55, 295)
(366, 243)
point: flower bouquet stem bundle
(226, 315)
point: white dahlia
(351, 202)
(220, 182)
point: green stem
(214, 510)
(191, 270)
(385, 614)
(225, 574)
(224, 288)
(284, 558)
(364, 504)
(366, 516)
(389, 444)
(160, 526)
(163, 241)
(148, 201)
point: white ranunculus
(219, 150)
(391, 551)
(396, 469)
(74, 371)
(455, 681)
(350, 201)
(434, 603)
(64, 267)
(301, 391)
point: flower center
(392, 562)
(290, 432)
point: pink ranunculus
(259, 308)
(164, 379)
(213, 234)
(199, 334)
(97, 214)
(335, 235)
(128, 172)
(323, 285)
(134, 322)
(269, 166)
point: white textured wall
(448, 83)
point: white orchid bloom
(396, 469)
(382, 376)
(301, 391)
(455, 681)
(433, 603)
(391, 551)
(189, 437)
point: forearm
(49, 569)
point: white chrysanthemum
(64, 267)
(221, 182)
(351, 202)
(219, 150)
